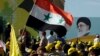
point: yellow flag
(14, 48)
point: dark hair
(44, 33)
(84, 20)
(97, 36)
(51, 32)
(7, 32)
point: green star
(61, 20)
(47, 17)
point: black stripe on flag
(42, 26)
(27, 5)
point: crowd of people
(54, 45)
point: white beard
(80, 34)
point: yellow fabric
(71, 50)
(72, 44)
(79, 53)
(79, 42)
(90, 48)
(96, 45)
(89, 43)
(59, 42)
(14, 48)
(57, 46)
(29, 50)
(49, 46)
(7, 44)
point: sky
(95, 27)
(83, 8)
(78, 8)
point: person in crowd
(97, 39)
(24, 41)
(51, 38)
(43, 41)
(61, 39)
(2, 38)
(83, 25)
(2, 48)
(41, 51)
(91, 52)
(59, 48)
(81, 50)
(72, 52)
(66, 47)
(7, 32)
(7, 37)
(49, 47)
(95, 49)
(34, 44)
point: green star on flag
(61, 20)
(47, 17)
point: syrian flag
(46, 16)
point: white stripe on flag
(39, 13)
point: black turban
(84, 20)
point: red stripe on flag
(45, 4)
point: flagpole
(12, 19)
(33, 5)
